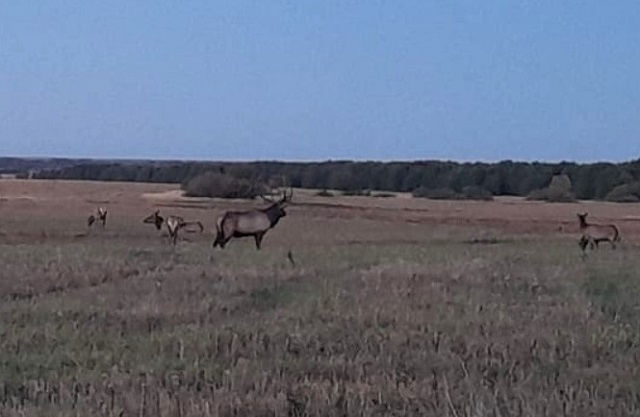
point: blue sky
(312, 80)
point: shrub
(436, 193)
(558, 191)
(215, 184)
(325, 193)
(473, 192)
(625, 193)
(357, 193)
(383, 195)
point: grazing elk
(100, 216)
(174, 224)
(250, 223)
(593, 234)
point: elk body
(254, 223)
(593, 234)
(174, 224)
(99, 216)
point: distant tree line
(14, 165)
(616, 182)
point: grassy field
(394, 307)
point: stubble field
(394, 306)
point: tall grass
(438, 328)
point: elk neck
(274, 212)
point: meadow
(393, 307)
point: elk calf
(593, 234)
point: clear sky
(313, 80)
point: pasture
(394, 307)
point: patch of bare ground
(393, 307)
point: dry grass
(387, 311)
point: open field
(395, 306)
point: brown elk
(593, 234)
(100, 215)
(250, 223)
(174, 224)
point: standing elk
(250, 223)
(100, 216)
(593, 234)
(174, 224)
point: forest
(434, 179)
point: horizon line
(324, 160)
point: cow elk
(255, 223)
(174, 224)
(99, 216)
(593, 234)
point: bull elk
(100, 215)
(174, 224)
(593, 234)
(250, 223)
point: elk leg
(220, 240)
(258, 238)
(584, 242)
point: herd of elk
(174, 224)
(256, 223)
(593, 234)
(231, 224)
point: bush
(627, 198)
(436, 194)
(383, 195)
(546, 194)
(539, 194)
(325, 193)
(558, 191)
(473, 192)
(357, 193)
(625, 193)
(215, 184)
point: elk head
(582, 218)
(154, 219)
(277, 206)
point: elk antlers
(284, 199)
